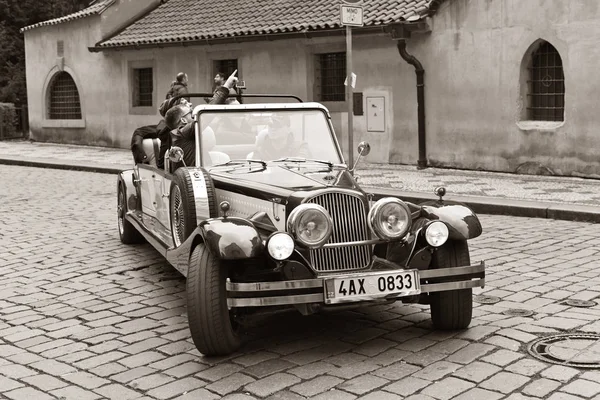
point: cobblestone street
(83, 316)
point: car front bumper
(318, 290)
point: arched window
(546, 85)
(63, 98)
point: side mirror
(175, 154)
(364, 148)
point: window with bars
(546, 85)
(143, 87)
(225, 66)
(63, 99)
(330, 76)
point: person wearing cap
(277, 141)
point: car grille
(349, 216)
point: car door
(163, 208)
(147, 190)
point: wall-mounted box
(376, 114)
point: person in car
(180, 123)
(141, 133)
(220, 79)
(179, 86)
(277, 141)
(179, 120)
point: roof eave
(245, 38)
(62, 20)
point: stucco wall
(473, 60)
(267, 67)
(86, 70)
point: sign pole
(349, 98)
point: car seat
(152, 149)
(209, 141)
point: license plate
(372, 285)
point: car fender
(462, 222)
(231, 238)
(126, 178)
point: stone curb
(61, 164)
(480, 205)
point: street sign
(351, 15)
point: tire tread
(208, 314)
(452, 309)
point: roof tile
(208, 19)
(97, 7)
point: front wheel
(452, 309)
(211, 322)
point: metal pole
(349, 95)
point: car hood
(281, 180)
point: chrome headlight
(280, 246)
(310, 224)
(390, 218)
(436, 233)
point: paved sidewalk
(487, 192)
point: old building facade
(507, 84)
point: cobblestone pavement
(84, 317)
(569, 190)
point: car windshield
(271, 135)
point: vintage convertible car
(251, 229)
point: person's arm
(144, 132)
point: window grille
(330, 77)
(546, 85)
(64, 98)
(227, 67)
(143, 87)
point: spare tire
(182, 203)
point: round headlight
(280, 246)
(436, 233)
(310, 224)
(390, 218)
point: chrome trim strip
(442, 272)
(388, 296)
(442, 287)
(275, 300)
(357, 243)
(280, 285)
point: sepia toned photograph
(299, 199)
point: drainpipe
(422, 162)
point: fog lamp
(280, 246)
(436, 233)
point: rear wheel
(211, 322)
(127, 233)
(451, 309)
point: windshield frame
(206, 109)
